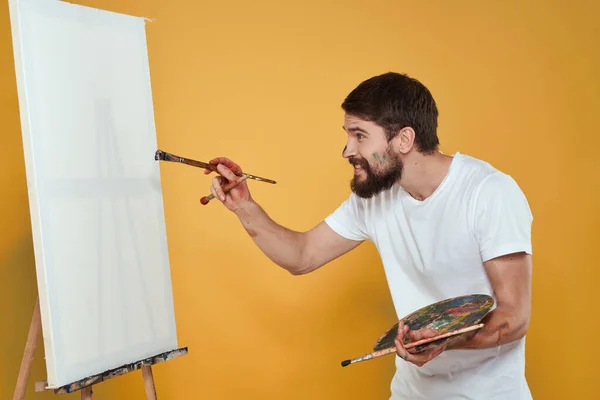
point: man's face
(376, 166)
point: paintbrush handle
(391, 350)
(443, 336)
(204, 200)
(164, 156)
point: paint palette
(445, 316)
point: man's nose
(349, 151)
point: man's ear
(404, 141)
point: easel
(84, 385)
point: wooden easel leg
(86, 393)
(35, 329)
(149, 382)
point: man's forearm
(283, 246)
(501, 326)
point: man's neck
(424, 173)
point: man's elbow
(512, 324)
(295, 267)
(522, 327)
(301, 268)
(297, 272)
(304, 263)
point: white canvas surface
(94, 187)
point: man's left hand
(410, 355)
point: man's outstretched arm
(297, 252)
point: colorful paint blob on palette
(445, 316)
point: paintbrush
(204, 200)
(392, 350)
(164, 156)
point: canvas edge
(163, 221)
(32, 194)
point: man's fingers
(423, 333)
(429, 354)
(217, 188)
(423, 358)
(401, 332)
(226, 162)
(213, 192)
(411, 355)
(401, 351)
(227, 173)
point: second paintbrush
(392, 350)
(204, 200)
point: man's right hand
(238, 195)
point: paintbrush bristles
(369, 356)
(164, 156)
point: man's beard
(376, 182)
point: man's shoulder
(475, 168)
(482, 175)
(488, 184)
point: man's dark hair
(394, 101)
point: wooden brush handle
(392, 350)
(443, 336)
(164, 156)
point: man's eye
(360, 136)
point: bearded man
(443, 225)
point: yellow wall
(261, 82)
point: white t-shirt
(433, 250)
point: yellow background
(261, 82)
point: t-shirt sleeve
(348, 219)
(502, 217)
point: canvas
(94, 188)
